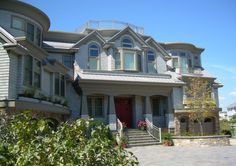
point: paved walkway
(186, 156)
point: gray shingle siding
(13, 76)
(4, 73)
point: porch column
(112, 113)
(84, 108)
(148, 109)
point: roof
(53, 44)
(127, 78)
(203, 73)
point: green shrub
(27, 141)
(226, 132)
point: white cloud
(233, 93)
(222, 98)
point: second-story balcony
(109, 24)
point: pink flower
(142, 123)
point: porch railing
(120, 130)
(154, 131)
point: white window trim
(98, 58)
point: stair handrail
(120, 128)
(153, 130)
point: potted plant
(142, 125)
(167, 139)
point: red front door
(124, 110)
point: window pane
(30, 31)
(117, 61)
(98, 107)
(38, 36)
(93, 52)
(93, 63)
(152, 67)
(37, 73)
(127, 43)
(89, 103)
(18, 23)
(62, 85)
(156, 107)
(129, 61)
(151, 56)
(175, 62)
(28, 70)
(68, 61)
(57, 84)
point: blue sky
(210, 24)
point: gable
(93, 36)
(129, 32)
(153, 44)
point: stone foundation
(202, 141)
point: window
(37, 73)
(174, 53)
(175, 62)
(28, 70)
(18, 23)
(151, 60)
(38, 37)
(32, 72)
(59, 84)
(93, 57)
(117, 61)
(129, 61)
(127, 42)
(30, 31)
(95, 106)
(182, 54)
(156, 107)
(68, 60)
(190, 65)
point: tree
(27, 141)
(199, 101)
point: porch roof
(128, 78)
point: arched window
(151, 61)
(127, 42)
(93, 56)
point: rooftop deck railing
(109, 24)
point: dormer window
(93, 56)
(151, 60)
(127, 42)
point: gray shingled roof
(168, 78)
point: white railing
(109, 24)
(120, 129)
(154, 131)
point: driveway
(159, 155)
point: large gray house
(105, 70)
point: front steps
(139, 138)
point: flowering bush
(142, 124)
(124, 125)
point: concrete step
(143, 144)
(142, 141)
(140, 138)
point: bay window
(37, 73)
(129, 61)
(151, 60)
(18, 23)
(38, 37)
(59, 87)
(32, 72)
(93, 57)
(30, 31)
(28, 70)
(117, 61)
(95, 106)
